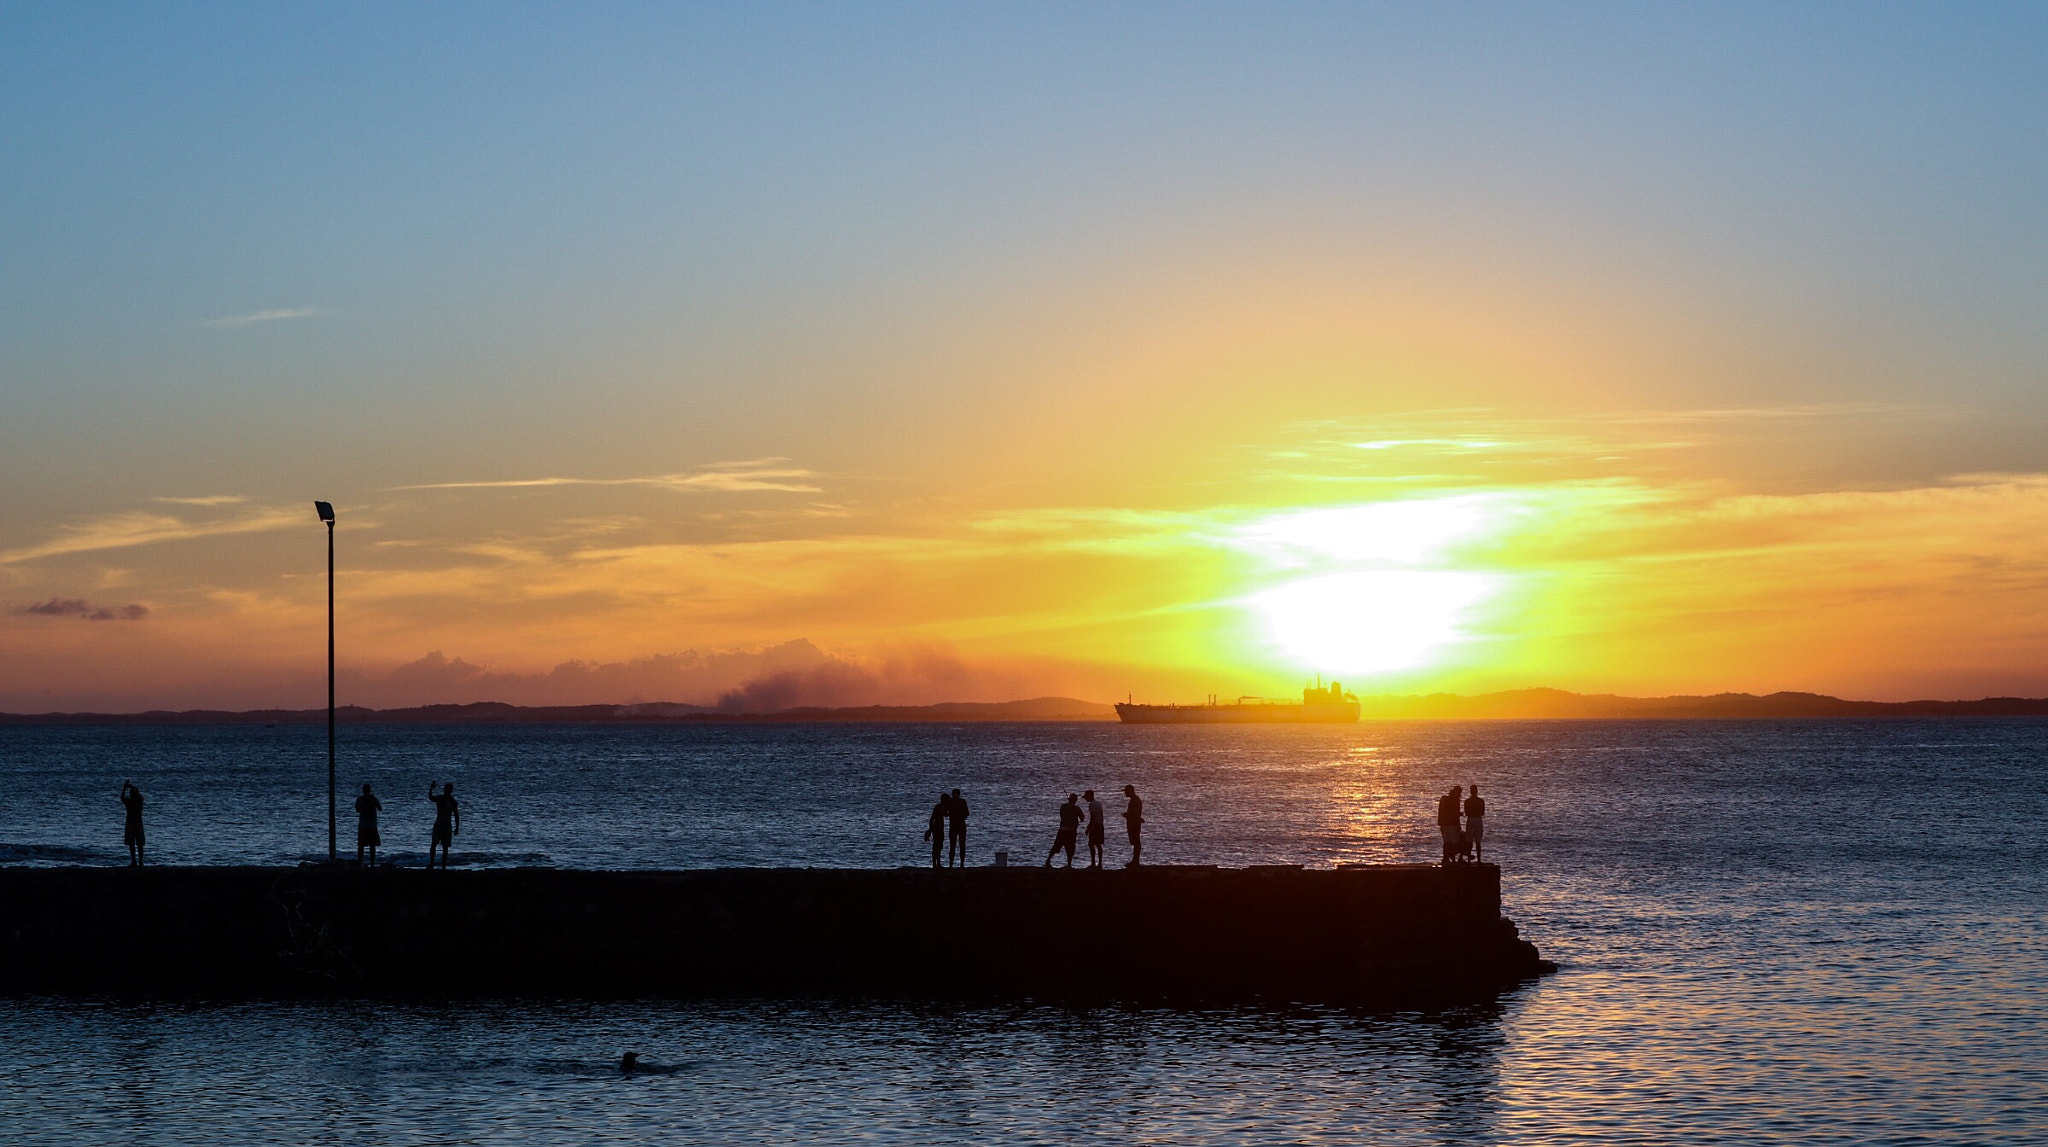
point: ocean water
(1773, 931)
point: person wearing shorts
(1475, 824)
(1070, 824)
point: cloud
(916, 677)
(79, 607)
(789, 675)
(831, 685)
(138, 528)
(208, 500)
(691, 677)
(231, 321)
(724, 477)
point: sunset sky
(856, 353)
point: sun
(1373, 621)
(1369, 589)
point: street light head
(325, 510)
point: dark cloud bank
(81, 608)
(795, 673)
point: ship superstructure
(1318, 705)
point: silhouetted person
(1475, 825)
(367, 808)
(1094, 829)
(629, 1061)
(956, 830)
(131, 833)
(1134, 826)
(1070, 824)
(935, 829)
(447, 822)
(1447, 808)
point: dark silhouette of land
(1519, 704)
(499, 713)
(1526, 704)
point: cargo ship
(1318, 705)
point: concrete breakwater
(1390, 934)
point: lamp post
(326, 512)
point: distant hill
(1518, 704)
(1556, 703)
(499, 713)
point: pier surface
(1394, 934)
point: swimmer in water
(629, 1064)
(629, 1061)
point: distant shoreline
(1516, 705)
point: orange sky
(1454, 551)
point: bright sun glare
(1399, 532)
(1368, 598)
(1374, 621)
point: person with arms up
(1447, 808)
(367, 808)
(447, 822)
(956, 831)
(1094, 829)
(131, 833)
(1070, 824)
(935, 828)
(1134, 826)
(1475, 824)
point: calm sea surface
(1799, 931)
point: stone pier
(1395, 935)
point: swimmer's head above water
(628, 1060)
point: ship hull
(1322, 713)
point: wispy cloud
(208, 500)
(263, 317)
(139, 528)
(81, 608)
(726, 477)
